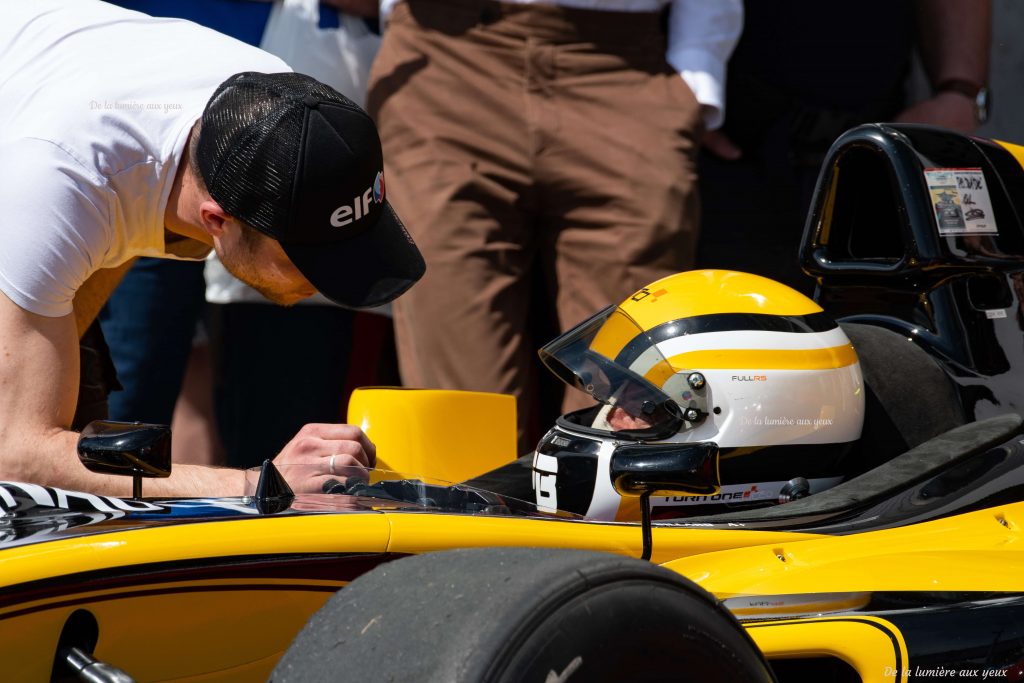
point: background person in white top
(123, 135)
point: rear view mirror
(643, 469)
(678, 468)
(126, 448)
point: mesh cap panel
(251, 140)
(302, 164)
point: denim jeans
(276, 369)
(149, 324)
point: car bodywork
(215, 590)
(912, 569)
(229, 587)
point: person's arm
(38, 393)
(953, 37)
(701, 36)
(55, 228)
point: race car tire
(522, 614)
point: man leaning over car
(124, 136)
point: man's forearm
(52, 460)
(954, 39)
(38, 392)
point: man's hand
(323, 452)
(719, 144)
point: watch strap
(960, 85)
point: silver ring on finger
(330, 464)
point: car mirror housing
(131, 449)
(643, 469)
(690, 468)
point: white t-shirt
(96, 103)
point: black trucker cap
(302, 163)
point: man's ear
(212, 217)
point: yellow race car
(456, 566)
(853, 587)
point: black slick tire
(497, 615)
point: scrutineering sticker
(960, 201)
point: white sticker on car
(960, 201)
(545, 476)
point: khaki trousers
(525, 141)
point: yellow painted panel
(444, 435)
(704, 292)
(1016, 150)
(830, 203)
(27, 645)
(198, 630)
(242, 627)
(412, 533)
(862, 642)
(615, 334)
(355, 532)
(941, 555)
(253, 671)
(767, 359)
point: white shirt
(96, 103)
(701, 36)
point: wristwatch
(981, 95)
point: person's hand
(323, 452)
(946, 109)
(719, 144)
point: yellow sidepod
(168, 603)
(415, 533)
(158, 633)
(828, 579)
(874, 647)
(445, 435)
(356, 532)
(941, 555)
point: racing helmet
(708, 356)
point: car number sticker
(960, 201)
(545, 478)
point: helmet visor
(610, 358)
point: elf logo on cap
(360, 206)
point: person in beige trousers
(539, 140)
